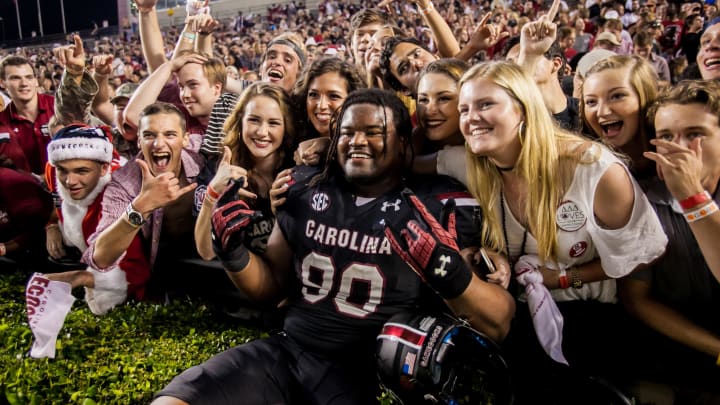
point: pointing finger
(553, 10)
(484, 19)
(78, 45)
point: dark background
(79, 15)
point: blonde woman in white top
(567, 213)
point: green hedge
(121, 358)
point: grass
(121, 358)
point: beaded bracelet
(576, 282)
(700, 213)
(695, 200)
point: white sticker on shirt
(569, 217)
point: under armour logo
(440, 271)
(395, 205)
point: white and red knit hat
(81, 142)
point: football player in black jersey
(351, 247)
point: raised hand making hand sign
(158, 190)
(537, 37)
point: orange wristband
(212, 193)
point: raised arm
(486, 35)
(150, 89)
(205, 26)
(151, 37)
(431, 250)
(536, 38)
(101, 106)
(156, 192)
(681, 168)
(197, 32)
(260, 278)
(447, 44)
(225, 172)
(77, 87)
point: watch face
(135, 218)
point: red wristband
(695, 200)
(212, 193)
(564, 284)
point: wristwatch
(134, 216)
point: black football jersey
(350, 280)
(259, 231)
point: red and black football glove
(431, 250)
(230, 220)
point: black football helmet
(436, 358)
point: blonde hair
(642, 78)
(547, 161)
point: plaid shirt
(125, 186)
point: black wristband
(447, 273)
(236, 260)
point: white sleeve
(451, 162)
(640, 241)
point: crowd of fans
(579, 142)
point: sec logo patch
(320, 202)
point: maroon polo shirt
(10, 148)
(24, 209)
(33, 137)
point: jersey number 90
(368, 275)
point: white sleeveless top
(581, 239)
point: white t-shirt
(641, 240)
(581, 239)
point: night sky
(78, 16)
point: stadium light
(17, 11)
(62, 14)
